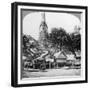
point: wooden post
(49, 65)
(33, 65)
(56, 65)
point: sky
(32, 21)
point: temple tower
(43, 33)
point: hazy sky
(32, 21)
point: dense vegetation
(58, 38)
(63, 40)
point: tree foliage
(58, 36)
(61, 39)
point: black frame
(14, 38)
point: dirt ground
(32, 73)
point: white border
(51, 79)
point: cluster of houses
(48, 61)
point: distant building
(70, 57)
(78, 55)
(77, 30)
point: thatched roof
(60, 55)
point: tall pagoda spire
(43, 20)
(43, 33)
(43, 16)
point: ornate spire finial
(43, 16)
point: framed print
(49, 44)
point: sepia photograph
(51, 44)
